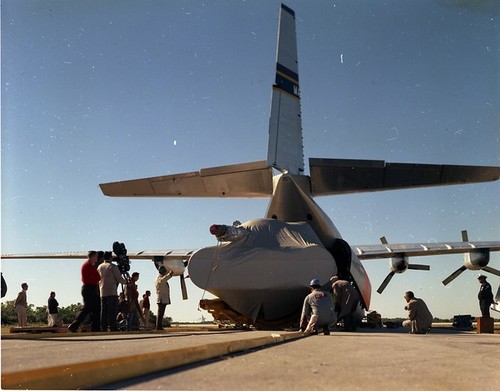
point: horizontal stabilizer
(238, 180)
(342, 176)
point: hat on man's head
(315, 282)
(481, 276)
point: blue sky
(96, 92)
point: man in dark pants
(162, 294)
(485, 296)
(90, 293)
(110, 279)
(346, 299)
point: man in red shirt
(90, 293)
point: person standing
(132, 295)
(100, 258)
(485, 296)
(318, 310)
(110, 279)
(52, 310)
(146, 308)
(90, 294)
(162, 294)
(419, 317)
(21, 304)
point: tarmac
(370, 359)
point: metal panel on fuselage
(291, 201)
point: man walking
(90, 293)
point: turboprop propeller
(475, 260)
(399, 264)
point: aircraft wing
(370, 251)
(238, 180)
(343, 176)
(378, 251)
(147, 254)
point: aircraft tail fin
(285, 149)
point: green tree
(37, 315)
(9, 315)
(68, 314)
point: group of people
(324, 306)
(420, 318)
(104, 306)
(21, 306)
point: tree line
(38, 315)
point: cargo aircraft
(260, 269)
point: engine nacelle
(176, 265)
(399, 264)
(477, 259)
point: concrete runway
(259, 360)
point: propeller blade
(454, 275)
(418, 267)
(183, 288)
(385, 282)
(491, 270)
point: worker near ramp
(346, 299)
(318, 310)
(419, 317)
